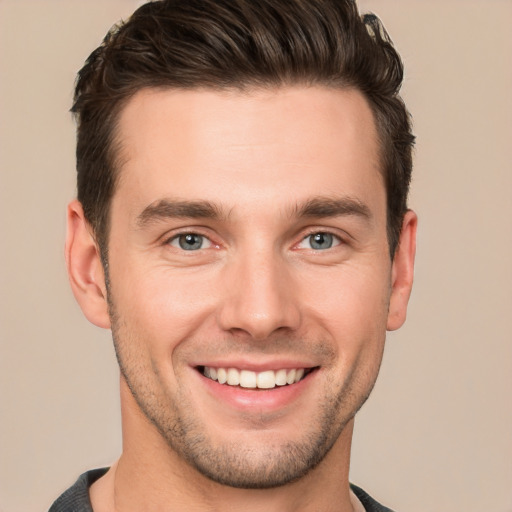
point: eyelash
(337, 240)
(176, 238)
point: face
(249, 273)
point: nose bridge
(259, 294)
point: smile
(261, 380)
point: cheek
(162, 304)
(351, 304)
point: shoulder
(76, 498)
(370, 505)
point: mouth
(248, 379)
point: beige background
(437, 433)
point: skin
(265, 170)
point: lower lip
(257, 399)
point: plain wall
(437, 433)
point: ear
(84, 266)
(402, 272)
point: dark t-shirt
(76, 498)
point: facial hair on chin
(235, 462)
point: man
(242, 227)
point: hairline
(115, 145)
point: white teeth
(266, 380)
(281, 377)
(222, 375)
(248, 379)
(233, 377)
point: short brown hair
(238, 44)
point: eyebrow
(321, 207)
(316, 207)
(168, 209)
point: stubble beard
(235, 463)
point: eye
(190, 242)
(319, 241)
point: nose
(259, 297)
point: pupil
(190, 242)
(321, 241)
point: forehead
(248, 149)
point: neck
(149, 475)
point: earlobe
(402, 272)
(85, 270)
